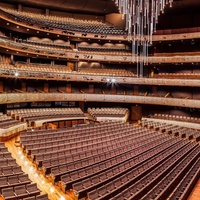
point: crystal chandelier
(141, 18)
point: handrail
(41, 97)
(11, 46)
(76, 76)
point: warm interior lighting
(16, 74)
(141, 17)
(26, 163)
(31, 168)
(62, 198)
(113, 80)
(52, 190)
(19, 152)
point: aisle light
(113, 80)
(16, 74)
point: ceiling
(100, 7)
(85, 6)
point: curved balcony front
(46, 97)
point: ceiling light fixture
(141, 17)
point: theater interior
(99, 100)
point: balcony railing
(6, 98)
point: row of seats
(117, 162)
(160, 191)
(175, 130)
(42, 111)
(7, 122)
(110, 160)
(141, 187)
(178, 75)
(23, 191)
(64, 23)
(32, 115)
(106, 72)
(176, 117)
(14, 183)
(48, 71)
(79, 155)
(57, 45)
(103, 114)
(189, 179)
(35, 48)
(61, 50)
(105, 50)
(42, 68)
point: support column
(47, 12)
(155, 90)
(46, 87)
(20, 8)
(3, 58)
(76, 66)
(81, 105)
(135, 90)
(52, 62)
(23, 86)
(1, 86)
(69, 88)
(136, 113)
(11, 59)
(71, 66)
(113, 89)
(91, 89)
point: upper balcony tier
(81, 29)
(22, 48)
(63, 73)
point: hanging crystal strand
(154, 16)
(133, 51)
(170, 3)
(141, 17)
(136, 53)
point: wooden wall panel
(91, 89)
(155, 90)
(74, 122)
(71, 65)
(80, 121)
(69, 123)
(1, 86)
(136, 113)
(113, 89)
(61, 124)
(24, 86)
(135, 90)
(81, 105)
(69, 88)
(46, 87)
